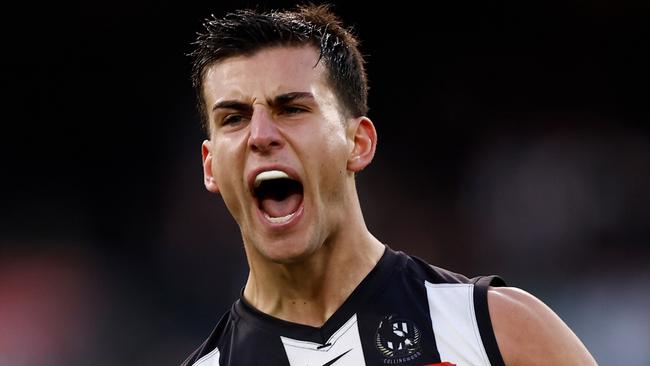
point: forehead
(268, 72)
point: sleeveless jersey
(405, 312)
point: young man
(283, 97)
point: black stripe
(481, 285)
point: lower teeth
(279, 220)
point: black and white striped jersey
(405, 312)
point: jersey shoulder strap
(459, 313)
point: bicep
(529, 333)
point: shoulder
(529, 333)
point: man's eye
(232, 119)
(292, 110)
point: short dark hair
(245, 32)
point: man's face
(278, 150)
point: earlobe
(208, 178)
(364, 141)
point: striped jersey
(405, 312)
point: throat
(303, 293)
(296, 308)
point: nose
(264, 134)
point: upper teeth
(268, 175)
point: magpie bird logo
(398, 338)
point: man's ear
(364, 139)
(208, 178)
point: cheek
(330, 139)
(228, 170)
(337, 149)
(232, 197)
(331, 155)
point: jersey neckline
(361, 294)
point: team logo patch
(398, 340)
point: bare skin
(529, 333)
(251, 129)
(275, 110)
(309, 293)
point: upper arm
(529, 333)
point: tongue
(280, 208)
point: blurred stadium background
(513, 139)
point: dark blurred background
(513, 139)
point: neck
(310, 291)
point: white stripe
(451, 307)
(211, 359)
(345, 340)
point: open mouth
(278, 195)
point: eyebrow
(231, 104)
(287, 98)
(278, 100)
